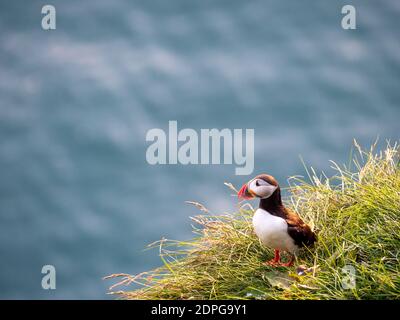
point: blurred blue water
(76, 103)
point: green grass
(356, 214)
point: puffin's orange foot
(276, 261)
(273, 263)
(289, 263)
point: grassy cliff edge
(356, 214)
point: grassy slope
(356, 214)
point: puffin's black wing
(302, 235)
(300, 232)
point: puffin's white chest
(272, 231)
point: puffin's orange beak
(244, 193)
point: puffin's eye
(257, 183)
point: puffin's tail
(312, 239)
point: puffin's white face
(261, 188)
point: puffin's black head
(262, 186)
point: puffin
(277, 226)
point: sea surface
(76, 103)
